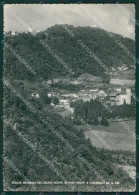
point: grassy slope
(116, 135)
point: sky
(116, 18)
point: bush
(95, 122)
(104, 122)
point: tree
(95, 122)
(124, 102)
(55, 100)
(104, 122)
(47, 100)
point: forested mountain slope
(58, 142)
(69, 49)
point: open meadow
(116, 136)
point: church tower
(30, 28)
(128, 99)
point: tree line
(91, 111)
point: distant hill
(68, 49)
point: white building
(93, 90)
(72, 110)
(59, 106)
(125, 97)
(86, 98)
(117, 89)
(101, 93)
(35, 95)
(52, 104)
(49, 94)
(121, 97)
(13, 33)
(49, 82)
(73, 95)
(63, 101)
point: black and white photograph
(69, 97)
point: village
(110, 94)
(116, 96)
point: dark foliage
(68, 49)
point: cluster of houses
(112, 94)
(29, 30)
(65, 81)
(116, 96)
(119, 97)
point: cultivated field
(116, 136)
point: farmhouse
(35, 95)
(117, 89)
